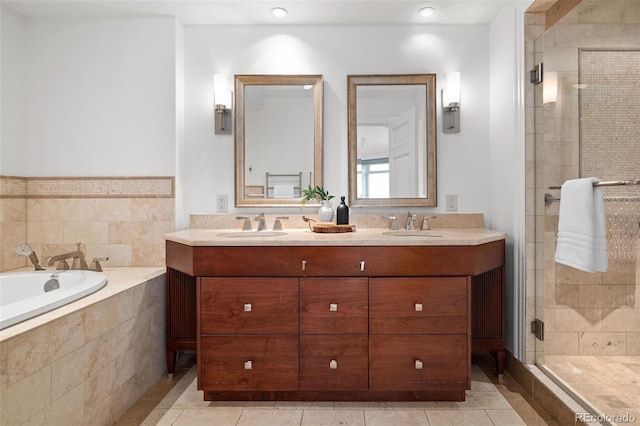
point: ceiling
(257, 12)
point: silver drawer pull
(304, 265)
(418, 307)
(333, 364)
(362, 265)
(247, 307)
(418, 364)
(248, 365)
(333, 307)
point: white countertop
(361, 237)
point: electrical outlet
(452, 202)
(221, 203)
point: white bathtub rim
(120, 278)
(45, 302)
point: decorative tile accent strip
(609, 109)
(101, 187)
(13, 187)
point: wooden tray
(332, 228)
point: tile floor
(611, 384)
(177, 402)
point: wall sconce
(222, 101)
(451, 104)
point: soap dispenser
(342, 213)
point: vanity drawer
(249, 305)
(417, 362)
(333, 305)
(418, 305)
(334, 362)
(247, 363)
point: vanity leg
(171, 362)
(499, 355)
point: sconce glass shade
(221, 91)
(451, 104)
(222, 100)
(550, 87)
(452, 92)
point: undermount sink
(411, 233)
(253, 234)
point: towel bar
(549, 198)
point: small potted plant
(325, 212)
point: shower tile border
(87, 187)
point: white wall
(335, 52)
(12, 156)
(100, 97)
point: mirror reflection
(392, 140)
(278, 138)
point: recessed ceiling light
(427, 11)
(279, 12)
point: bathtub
(22, 294)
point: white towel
(283, 191)
(582, 238)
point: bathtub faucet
(78, 260)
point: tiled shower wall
(120, 218)
(588, 132)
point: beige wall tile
(108, 209)
(148, 255)
(118, 254)
(121, 232)
(157, 209)
(66, 409)
(98, 387)
(32, 351)
(561, 343)
(603, 343)
(621, 320)
(4, 381)
(25, 398)
(582, 319)
(86, 232)
(102, 317)
(45, 232)
(56, 209)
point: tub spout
(78, 260)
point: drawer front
(334, 362)
(249, 363)
(413, 363)
(333, 305)
(249, 305)
(418, 305)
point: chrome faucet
(78, 260)
(262, 224)
(394, 222)
(410, 219)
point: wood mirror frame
(242, 82)
(430, 179)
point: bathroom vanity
(355, 316)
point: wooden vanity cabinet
(334, 322)
(334, 334)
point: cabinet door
(417, 362)
(333, 305)
(249, 305)
(249, 363)
(418, 305)
(334, 362)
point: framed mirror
(392, 140)
(278, 138)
